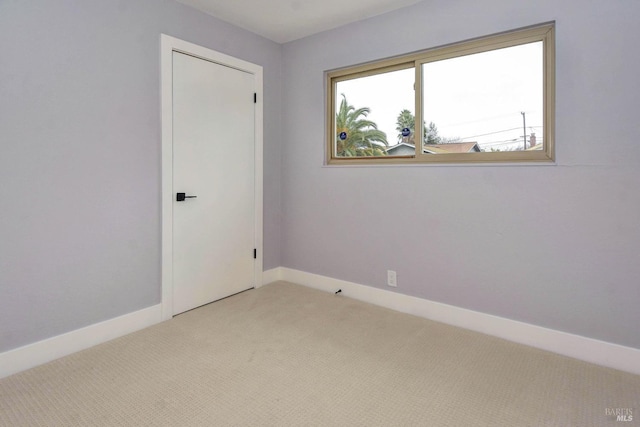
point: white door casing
(183, 261)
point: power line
(507, 141)
(490, 133)
(482, 119)
(498, 131)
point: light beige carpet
(285, 355)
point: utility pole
(524, 129)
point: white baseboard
(272, 275)
(32, 355)
(29, 356)
(578, 347)
(587, 349)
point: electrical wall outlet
(392, 279)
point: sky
(478, 97)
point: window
(486, 100)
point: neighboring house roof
(401, 149)
(453, 147)
(404, 148)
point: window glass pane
(371, 113)
(489, 101)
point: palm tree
(355, 135)
(406, 120)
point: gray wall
(555, 246)
(80, 160)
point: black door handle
(181, 196)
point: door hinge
(255, 98)
(255, 254)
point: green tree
(406, 120)
(431, 135)
(361, 136)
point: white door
(213, 164)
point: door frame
(168, 45)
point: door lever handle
(180, 197)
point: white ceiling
(286, 20)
